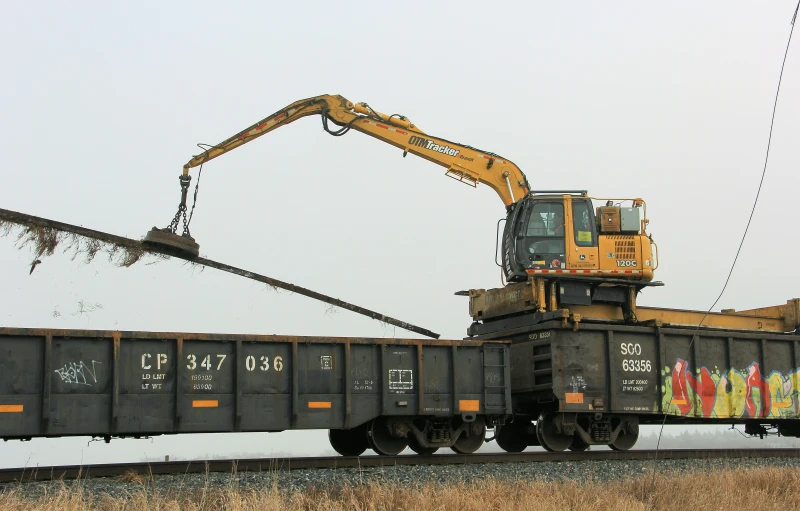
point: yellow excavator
(597, 250)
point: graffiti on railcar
(78, 373)
(732, 393)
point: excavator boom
(291, 113)
(463, 163)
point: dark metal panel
(677, 352)
(80, 414)
(266, 368)
(610, 377)
(207, 413)
(436, 395)
(729, 351)
(365, 369)
(146, 414)
(81, 366)
(348, 385)
(328, 416)
(400, 376)
(115, 384)
(320, 386)
(239, 374)
(209, 367)
(456, 366)
(661, 369)
(708, 366)
(148, 385)
(711, 353)
(365, 407)
(506, 382)
(580, 376)
(147, 367)
(266, 412)
(496, 379)
(295, 371)
(522, 367)
(22, 418)
(420, 380)
(179, 390)
(21, 382)
(207, 381)
(531, 361)
(745, 352)
(780, 378)
(632, 364)
(474, 367)
(320, 368)
(81, 376)
(778, 356)
(21, 365)
(365, 383)
(694, 358)
(47, 383)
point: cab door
(540, 241)
(581, 235)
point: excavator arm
(463, 163)
(548, 235)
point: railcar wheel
(511, 437)
(549, 437)
(349, 442)
(382, 440)
(625, 440)
(415, 446)
(467, 444)
(578, 444)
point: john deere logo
(432, 146)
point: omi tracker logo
(432, 146)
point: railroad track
(334, 462)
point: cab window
(547, 219)
(583, 223)
(545, 231)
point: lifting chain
(173, 225)
(194, 202)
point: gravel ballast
(415, 476)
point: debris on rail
(43, 236)
(43, 240)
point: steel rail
(31, 474)
(25, 220)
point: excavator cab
(554, 233)
(563, 251)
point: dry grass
(132, 477)
(764, 488)
(43, 242)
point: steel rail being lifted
(25, 220)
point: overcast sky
(102, 103)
